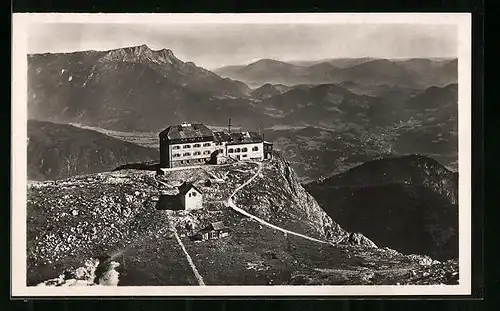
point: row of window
(244, 156)
(232, 150)
(189, 146)
(187, 154)
(194, 161)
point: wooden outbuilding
(215, 230)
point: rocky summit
(105, 229)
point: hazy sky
(217, 45)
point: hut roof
(219, 225)
(185, 187)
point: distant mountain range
(334, 105)
(327, 104)
(139, 89)
(374, 107)
(337, 62)
(132, 88)
(58, 151)
(413, 73)
(409, 203)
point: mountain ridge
(136, 88)
(163, 57)
(104, 88)
(409, 203)
(413, 72)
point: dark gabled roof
(219, 225)
(185, 187)
(186, 130)
(245, 138)
(221, 136)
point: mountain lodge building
(195, 144)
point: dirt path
(198, 276)
(231, 204)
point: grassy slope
(258, 255)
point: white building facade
(246, 151)
(190, 153)
(191, 198)
(195, 144)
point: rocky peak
(144, 47)
(141, 54)
(167, 53)
(280, 198)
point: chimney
(229, 126)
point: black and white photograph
(241, 154)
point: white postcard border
(19, 137)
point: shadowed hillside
(408, 203)
(58, 150)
